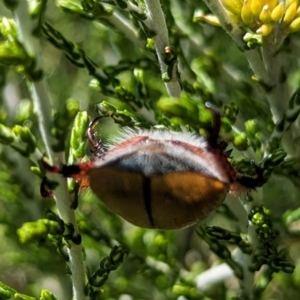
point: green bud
(180, 290)
(36, 171)
(251, 127)
(11, 54)
(95, 85)
(26, 136)
(19, 296)
(226, 125)
(8, 29)
(253, 40)
(291, 216)
(105, 109)
(70, 6)
(78, 152)
(205, 117)
(71, 109)
(230, 111)
(175, 122)
(7, 135)
(241, 141)
(171, 107)
(150, 45)
(6, 292)
(35, 8)
(46, 295)
(78, 135)
(258, 219)
(139, 74)
(24, 111)
(34, 231)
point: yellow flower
(246, 13)
(265, 15)
(261, 16)
(277, 12)
(290, 13)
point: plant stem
(156, 22)
(213, 275)
(278, 96)
(234, 31)
(42, 107)
(241, 210)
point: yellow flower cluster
(261, 16)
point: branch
(156, 23)
(38, 88)
(213, 275)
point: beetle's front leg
(71, 171)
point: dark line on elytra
(147, 198)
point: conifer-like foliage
(148, 64)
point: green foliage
(147, 64)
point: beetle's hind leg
(252, 182)
(98, 146)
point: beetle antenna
(214, 134)
(99, 150)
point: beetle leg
(73, 171)
(99, 150)
(214, 134)
(252, 182)
(44, 189)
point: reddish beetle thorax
(160, 152)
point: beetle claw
(44, 189)
(99, 150)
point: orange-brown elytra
(160, 179)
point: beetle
(160, 179)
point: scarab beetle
(160, 179)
